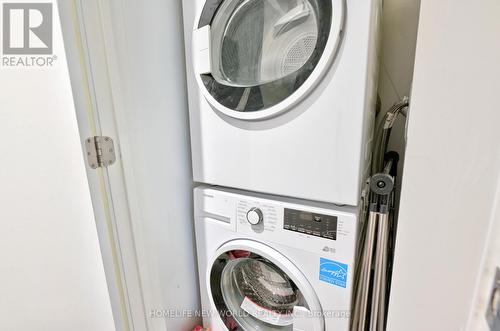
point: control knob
(255, 216)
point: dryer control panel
(318, 225)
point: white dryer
(282, 94)
(273, 264)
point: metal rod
(388, 166)
(383, 289)
(378, 297)
(358, 271)
(365, 275)
(357, 301)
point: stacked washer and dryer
(282, 98)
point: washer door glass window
(253, 294)
(262, 51)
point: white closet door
(51, 270)
(452, 167)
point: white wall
(399, 39)
(399, 35)
(452, 166)
(51, 272)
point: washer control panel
(327, 230)
(319, 225)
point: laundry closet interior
(259, 162)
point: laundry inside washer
(254, 293)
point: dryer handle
(202, 50)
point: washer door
(254, 288)
(256, 58)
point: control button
(255, 216)
(293, 228)
(317, 218)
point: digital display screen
(309, 223)
(306, 217)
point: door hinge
(100, 151)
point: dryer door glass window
(262, 51)
(252, 294)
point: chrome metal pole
(359, 279)
(365, 276)
(377, 315)
(385, 258)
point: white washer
(282, 94)
(273, 264)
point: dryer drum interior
(251, 293)
(263, 51)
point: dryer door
(253, 287)
(256, 58)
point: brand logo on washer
(333, 272)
